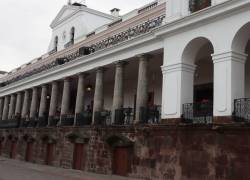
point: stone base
(155, 151)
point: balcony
(198, 113)
(196, 5)
(242, 110)
(150, 115)
(9, 123)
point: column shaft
(1, 107)
(54, 99)
(25, 109)
(18, 109)
(65, 110)
(80, 94)
(12, 107)
(98, 96)
(118, 89)
(34, 103)
(142, 87)
(43, 102)
(6, 107)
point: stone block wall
(157, 152)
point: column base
(42, 121)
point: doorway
(78, 156)
(49, 154)
(121, 161)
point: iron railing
(67, 120)
(83, 119)
(9, 123)
(242, 110)
(124, 116)
(150, 115)
(198, 113)
(102, 118)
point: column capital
(178, 67)
(120, 63)
(83, 74)
(100, 69)
(144, 56)
(229, 56)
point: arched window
(56, 43)
(72, 35)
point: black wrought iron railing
(124, 116)
(67, 120)
(102, 118)
(9, 123)
(83, 119)
(198, 113)
(242, 109)
(53, 121)
(150, 115)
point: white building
(188, 57)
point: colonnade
(32, 105)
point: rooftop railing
(82, 51)
(196, 5)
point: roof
(151, 12)
(74, 9)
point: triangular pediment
(64, 13)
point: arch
(28, 138)
(48, 139)
(118, 140)
(76, 137)
(192, 49)
(241, 38)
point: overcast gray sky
(25, 31)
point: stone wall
(157, 152)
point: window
(56, 43)
(72, 35)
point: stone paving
(17, 170)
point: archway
(241, 47)
(198, 54)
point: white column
(1, 107)
(43, 102)
(80, 94)
(18, 109)
(6, 107)
(65, 106)
(176, 9)
(118, 96)
(54, 99)
(12, 106)
(178, 86)
(229, 81)
(99, 94)
(34, 103)
(142, 87)
(25, 109)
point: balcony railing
(150, 115)
(242, 110)
(103, 118)
(83, 119)
(196, 5)
(198, 113)
(124, 116)
(9, 123)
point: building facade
(158, 93)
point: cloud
(25, 32)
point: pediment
(64, 13)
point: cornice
(203, 16)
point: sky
(25, 33)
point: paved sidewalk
(17, 170)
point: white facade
(210, 46)
(78, 17)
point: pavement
(17, 170)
